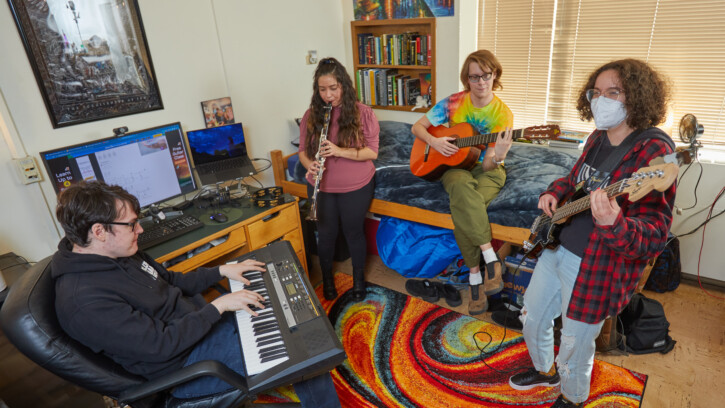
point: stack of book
(387, 87)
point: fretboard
(481, 139)
(582, 204)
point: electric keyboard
(291, 339)
(161, 232)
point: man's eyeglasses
(132, 224)
(611, 93)
(476, 78)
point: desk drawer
(264, 231)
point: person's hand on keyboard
(240, 300)
(235, 271)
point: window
(548, 47)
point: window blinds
(548, 47)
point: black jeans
(347, 210)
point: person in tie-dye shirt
(471, 190)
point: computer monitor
(152, 164)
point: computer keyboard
(155, 234)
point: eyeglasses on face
(611, 93)
(132, 224)
(475, 78)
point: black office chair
(29, 321)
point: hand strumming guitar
(443, 145)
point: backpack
(643, 327)
(665, 275)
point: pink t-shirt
(344, 175)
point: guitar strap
(600, 177)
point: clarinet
(312, 215)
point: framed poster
(90, 58)
(385, 10)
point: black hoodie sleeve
(137, 336)
(190, 283)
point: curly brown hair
(647, 92)
(484, 59)
(349, 120)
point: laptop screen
(210, 145)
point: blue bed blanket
(529, 170)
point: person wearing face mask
(603, 251)
(347, 183)
(472, 190)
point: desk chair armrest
(196, 370)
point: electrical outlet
(27, 169)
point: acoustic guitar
(659, 176)
(429, 164)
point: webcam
(120, 131)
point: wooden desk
(247, 229)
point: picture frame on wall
(218, 112)
(90, 59)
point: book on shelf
(409, 48)
(412, 87)
(425, 86)
(388, 87)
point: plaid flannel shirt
(616, 255)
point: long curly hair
(349, 134)
(647, 93)
(484, 59)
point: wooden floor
(689, 376)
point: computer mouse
(219, 217)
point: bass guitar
(659, 176)
(429, 164)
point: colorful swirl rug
(405, 352)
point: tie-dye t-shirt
(457, 108)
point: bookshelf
(379, 56)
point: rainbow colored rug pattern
(405, 352)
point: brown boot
(492, 280)
(478, 303)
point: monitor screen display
(152, 164)
(209, 145)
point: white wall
(711, 264)
(264, 46)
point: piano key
(268, 337)
(271, 359)
(267, 342)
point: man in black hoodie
(121, 303)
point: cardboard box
(516, 281)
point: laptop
(220, 153)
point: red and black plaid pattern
(616, 255)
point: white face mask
(608, 113)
